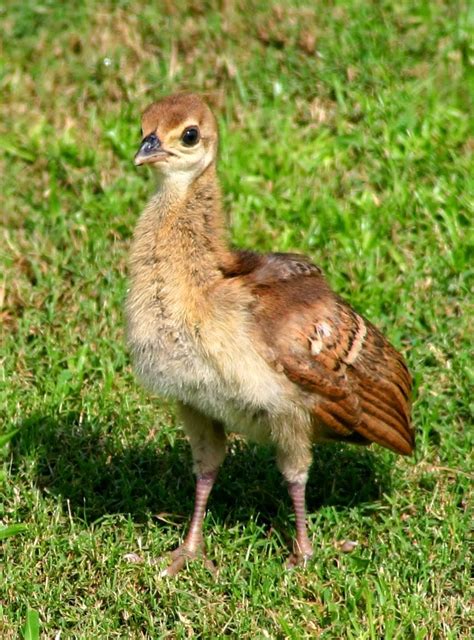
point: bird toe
(298, 560)
(180, 558)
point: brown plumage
(257, 344)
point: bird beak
(150, 150)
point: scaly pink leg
(193, 545)
(302, 549)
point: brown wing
(268, 268)
(356, 382)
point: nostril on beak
(150, 142)
(150, 146)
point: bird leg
(302, 549)
(208, 444)
(193, 545)
(294, 458)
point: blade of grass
(32, 628)
(7, 437)
(12, 530)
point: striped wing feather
(360, 383)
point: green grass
(345, 135)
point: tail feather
(376, 430)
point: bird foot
(302, 554)
(180, 558)
(298, 559)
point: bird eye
(190, 136)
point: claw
(180, 558)
(298, 560)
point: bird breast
(211, 365)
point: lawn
(346, 135)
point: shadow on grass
(88, 465)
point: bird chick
(244, 342)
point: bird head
(179, 137)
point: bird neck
(180, 238)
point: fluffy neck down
(179, 245)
